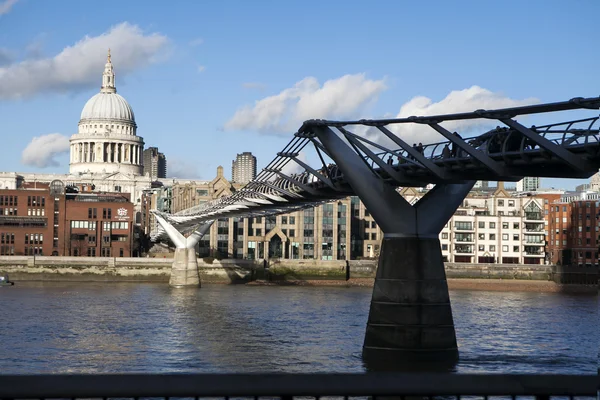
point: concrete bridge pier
(184, 271)
(410, 319)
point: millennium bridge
(410, 318)
(410, 315)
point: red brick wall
(23, 206)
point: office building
(528, 184)
(155, 163)
(243, 168)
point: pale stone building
(497, 228)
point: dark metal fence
(287, 386)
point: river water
(133, 327)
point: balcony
(464, 249)
(464, 226)
(534, 251)
(534, 216)
(535, 243)
(534, 227)
(464, 238)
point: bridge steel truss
(410, 316)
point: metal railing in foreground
(288, 385)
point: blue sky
(187, 68)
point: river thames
(136, 327)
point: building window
(505, 225)
(492, 225)
(501, 203)
(505, 249)
(511, 203)
(292, 220)
(515, 225)
(444, 235)
(505, 236)
(444, 247)
(481, 247)
(515, 236)
(284, 220)
(516, 249)
(492, 247)
(492, 236)
(481, 224)
(481, 236)
(292, 232)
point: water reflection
(126, 327)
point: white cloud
(201, 68)
(283, 113)
(457, 101)
(40, 152)
(254, 85)
(6, 6)
(197, 42)
(178, 168)
(5, 56)
(294, 168)
(80, 66)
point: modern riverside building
(243, 168)
(155, 163)
(65, 221)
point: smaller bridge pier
(184, 271)
(410, 318)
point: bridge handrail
(287, 385)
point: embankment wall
(40, 268)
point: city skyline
(182, 73)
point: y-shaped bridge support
(410, 319)
(184, 271)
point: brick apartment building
(58, 220)
(573, 229)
